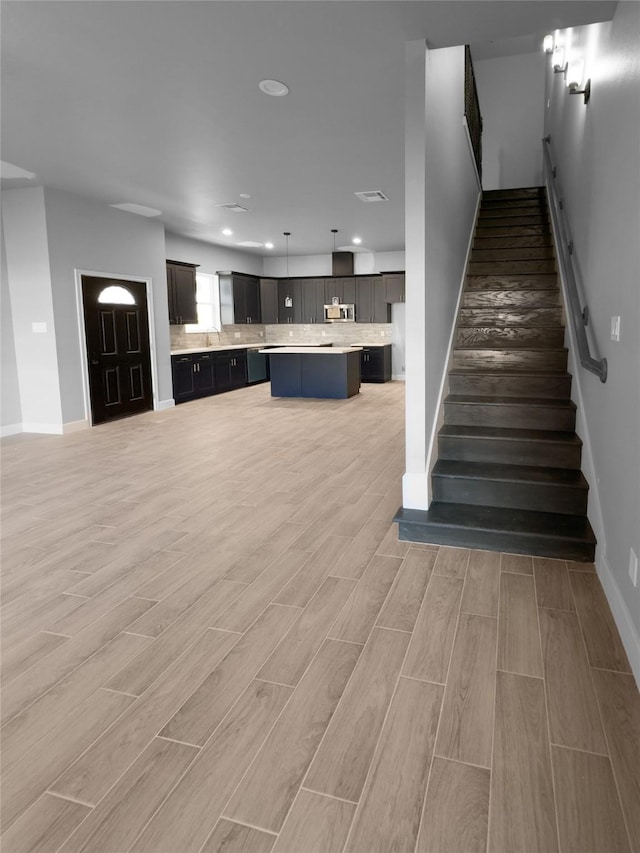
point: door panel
(118, 352)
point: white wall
(441, 194)
(597, 154)
(29, 278)
(211, 258)
(90, 236)
(511, 96)
(365, 263)
(10, 409)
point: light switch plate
(633, 567)
(615, 328)
(39, 328)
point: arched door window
(115, 294)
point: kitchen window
(208, 304)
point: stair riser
(546, 281)
(508, 204)
(534, 317)
(551, 387)
(491, 212)
(518, 253)
(488, 223)
(487, 540)
(536, 453)
(510, 267)
(482, 359)
(510, 230)
(522, 336)
(510, 299)
(515, 416)
(512, 242)
(513, 194)
(531, 496)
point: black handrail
(579, 315)
(472, 110)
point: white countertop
(380, 343)
(311, 350)
(216, 348)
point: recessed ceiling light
(268, 245)
(357, 241)
(273, 87)
(140, 209)
(227, 232)
(245, 195)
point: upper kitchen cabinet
(312, 291)
(344, 289)
(394, 286)
(371, 304)
(181, 293)
(239, 298)
(269, 300)
(290, 300)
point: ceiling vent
(372, 195)
(234, 208)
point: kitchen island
(321, 372)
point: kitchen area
(312, 336)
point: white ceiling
(157, 103)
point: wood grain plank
(361, 549)
(200, 715)
(91, 776)
(388, 817)
(248, 569)
(359, 614)
(391, 546)
(402, 606)
(552, 584)
(456, 810)
(122, 814)
(518, 563)
(353, 516)
(40, 765)
(315, 824)
(604, 647)
(452, 562)
(20, 658)
(522, 818)
(193, 807)
(619, 702)
(466, 729)
(519, 647)
(482, 584)
(236, 838)
(430, 648)
(303, 586)
(574, 719)
(295, 651)
(589, 814)
(44, 827)
(267, 791)
(342, 761)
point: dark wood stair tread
(561, 477)
(570, 439)
(493, 400)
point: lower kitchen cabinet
(231, 370)
(183, 378)
(375, 363)
(201, 374)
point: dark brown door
(117, 338)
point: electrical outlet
(236, 334)
(382, 334)
(633, 567)
(290, 334)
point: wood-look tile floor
(213, 640)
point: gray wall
(10, 410)
(511, 95)
(441, 193)
(597, 153)
(211, 258)
(90, 236)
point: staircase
(508, 473)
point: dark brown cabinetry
(230, 370)
(239, 298)
(344, 289)
(371, 304)
(269, 300)
(181, 293)
(201, 374)
(375, 363)
(289, 300)
(394, 286)
(312, 291)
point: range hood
(342, 263)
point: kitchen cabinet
(193, 376)
(269, 300)
(394, 286)
(239, 298)
(181, 293)
(289, 289)
(312, 292)
(230, 370)
(342, 288)
(371, 304)
(204, 374)
(375, 363)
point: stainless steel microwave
(339, 313)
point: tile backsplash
(319, 333)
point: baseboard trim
(75, 426)
(165, 404)
(10, 429)
(43, 429)
(627, 630)
(398, 377)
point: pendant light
(334, 231)
(288, 301)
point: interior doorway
(118, 351)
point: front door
(117, 337)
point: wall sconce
(559, 63)
(575, 75)
(547, 44)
